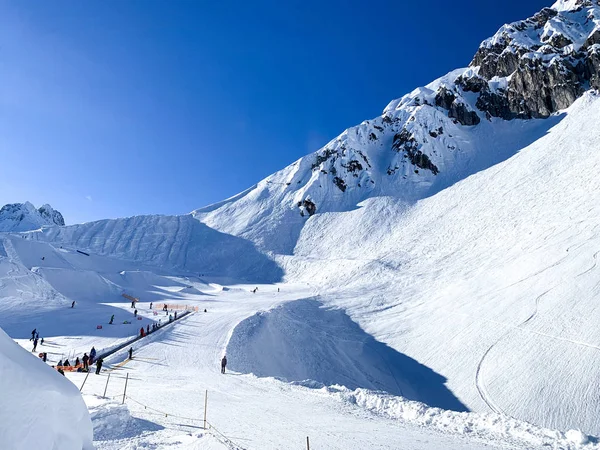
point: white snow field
(453, 306)
(38, 407)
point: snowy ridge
(24, 217)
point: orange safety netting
(161, 306)
(70, 368)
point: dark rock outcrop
(405, 142)
(446, 99)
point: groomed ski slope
(172, 369)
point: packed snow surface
(39, 408)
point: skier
(77, 361)
(205, 310)
(85, 360)
(175, 315)
(170, 318)
(35, 342)
(33, 335)
(223, 363)
(73, 304)
(142, 332)
(111, 319)
(42, 341)
(165, 307)
(150, 305)
(132, 304)
(148, 329)
(45, 357)
(135, 313)
(99, 365)
(92, 355)
(130, 352)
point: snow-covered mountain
(459, 228)
(25, 217)
(436, 135)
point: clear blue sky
(123, 107)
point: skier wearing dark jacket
(223, 364)
(99, 365)
(85, 360)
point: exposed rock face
(24, 217)
(456, 109)
(548, 61)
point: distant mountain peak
(25, 217)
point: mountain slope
(464, 122)
(24, 217)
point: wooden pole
(106, 387)
(205, 405)
(125, 391)
(86, 375)
(307, 444)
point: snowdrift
(39, 408)
(301, 340)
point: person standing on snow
(73, 304)
(99, 365)
(111, 319)
(42, 341)
(35, 342)
(92, 355)
(77, 361)
(135, 313)
(223, 363)
(142, 332)
(85, 360)
(131, 353)
(45, 357)
(150, 305)
(33, 335)
(148, 329)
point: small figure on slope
(99, 365)
(223, 363)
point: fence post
(205, 405)
(86, 375)
(125, 391)
(106, 387)
(307, 444)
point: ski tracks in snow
(479, 382)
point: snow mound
(301, 341)
(113, 421)
(39, 408)
(491, 427)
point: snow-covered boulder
(25, 217)
(39, 408)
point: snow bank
(113, 421)
(39, 408)
(485, 426)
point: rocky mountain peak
(437, 134)
(25, 217)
